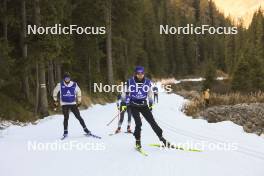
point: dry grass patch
(196, 104)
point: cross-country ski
(93, 135)
(175, 147)
(141, 151)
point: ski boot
(128, 129)
(87, 131)
(165, 142)
(65, 134)
(118, 130)
(138, 144)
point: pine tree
(241, 78)
(210, 75)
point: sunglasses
(140, 73)
(67, 79)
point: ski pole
(114, 118)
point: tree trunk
(110, 73)
(43, 89)
(58, 71)
(126, 66)
(197, 9)
(211, 12)
(98, 70)
(37, 90)
(89, 75)
(43, 101)
(24, 49)
(51, 77)
(5, 20)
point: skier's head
(139, 72)
(67, 77)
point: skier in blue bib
(70, 99)
(156, 93)
(121, 103)
(138, 91)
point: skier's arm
(126, 93)
(123, 102)
(125, 97)
(78, 94)
(150, 96)
(118, 101)
(56, 91)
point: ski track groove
(247, 151)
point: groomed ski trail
(119, 157)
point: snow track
(118, 157)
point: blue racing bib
(139, 91)
(68, 93)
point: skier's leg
(77, 114)
(150, 119)
(121, 119)
(129, 116)
(122, 114)
(206, 102)
(65, 111)
(129, 119)
(136, 116)
(156, 98)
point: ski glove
(151, 106)
(123, 108)
(56, 103)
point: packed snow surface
(227, 149)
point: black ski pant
(156, 98)
(145, 111)
(207, 102)
(122, 114)
(75, 111)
